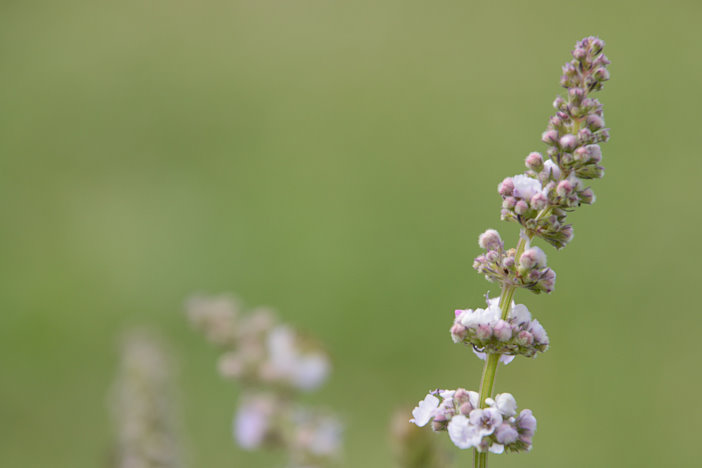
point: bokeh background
(337, 160)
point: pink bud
(521, 207)
(525, 338)
(458, 332)
(506, 187)
(549, 137)
(567, 142)
(539, 201)
(483, 332)
(564, 188)
(509, 203)
(535, 161)
(502, 330)
(595, 122)
(490, 240)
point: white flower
(473, 398)
(425, 410)
(305, 371)
(474, 318)
(486, 420)
(538, 331)
(252, 422)
(504, 403)
(462, 433)
(519, 314)
(525, 187)
(497, 448)
(552, 167)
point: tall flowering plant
(538, 200)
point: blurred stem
(491, 360)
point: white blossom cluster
(258, 348)
(487, 332)
(266, 419)
(273, 362)
(499, 265)
(496, 428)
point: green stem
(491, 360)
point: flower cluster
(540, 199)
(273, 362)
(266, 419)
(500, 265)
(487, 332)
(259, 349)
(496, 428)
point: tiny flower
(462, 433)
(525, 187)
(424, 411)
(486, 420)
(252, 422)
(538, 331)
(552, 168)
(497, 449)
(506, 434)
(505, 404)
(520, 314)
(526, 422)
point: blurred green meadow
(337, 161)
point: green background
(337, 160)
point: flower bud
(550, 137)
(458, 332)
(533, 257)
(587, 196)
(576, 94)
(490, 240)
(539, 201)
(502, 330)
(595, 122)
(535, 161)
(466, 408)
(509, 202)
(601, 74)
(483, 332)
(525, 338)
(521, 207)
(567, 142)
(558, 103)
(552, 168)
(506, 187)
(564, 188)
